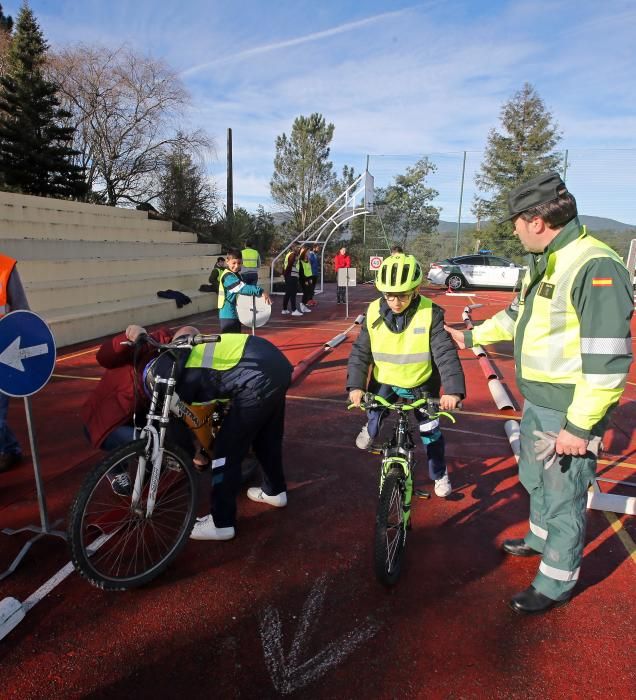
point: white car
(475, 271)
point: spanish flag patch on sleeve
(602, 281)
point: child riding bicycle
(403, 337)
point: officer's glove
(545, 447)
(594, 445)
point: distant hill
(593, 223)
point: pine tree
(35, 156)
(523, 150)
(186, 195)
(6, 22)
(407, 203)
(303, 174)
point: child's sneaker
(205, 529)
(285, 312)
(305, 309)
(364, 440)
(297, 313)
(121, 484)
(257, 494)
(443, 486)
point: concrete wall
(91, 270)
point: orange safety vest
(6, 268)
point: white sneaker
(364, 440)
(205, 529)
(305, 309)
(443, 486)
(285, 312)
(257, 494)
(297, 313)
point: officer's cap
(541, 189)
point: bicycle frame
(155, 432)
(161, 404)
(400, 451)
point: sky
(397, 79)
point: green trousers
(558, 501)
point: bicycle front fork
(387, 464)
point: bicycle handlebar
(185, 341)
(373, 401)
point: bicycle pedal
(420, 493)
(375, 450)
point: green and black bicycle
(393, 517)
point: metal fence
(602, 180)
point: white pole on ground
(499, 394)
(514, 437)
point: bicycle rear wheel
(116, 546)
(390, 533)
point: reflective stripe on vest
(306, 268)
(223, 355)
(552, 344)
(250, 258)
(402, 359)
(6, 268)
(220, 300)
(294, 271)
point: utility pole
(230, 186)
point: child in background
(341, 260)
(230, 285)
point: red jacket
(112, 402)
(341, 261)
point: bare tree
(126, 110)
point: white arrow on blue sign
(27, 353)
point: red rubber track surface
(291, 606)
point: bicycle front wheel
(390, 533)
(118, 546)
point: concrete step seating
(91, 270)
(100, 232)
(50, 249)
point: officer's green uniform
(571, 330)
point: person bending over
(255, 375)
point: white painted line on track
(48, 586)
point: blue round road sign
(27, 353)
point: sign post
(374, 262)
(27, 359)
(346, 279)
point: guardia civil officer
(571, 330)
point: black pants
(261, 425)
(305, 285)
(291, 289)
(230, 325)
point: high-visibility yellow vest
(250, 258)
(6, 268)
(402, 359)
(295, 268)
(551, 345)
(306, 268)
(220, 298)
(224, 355)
